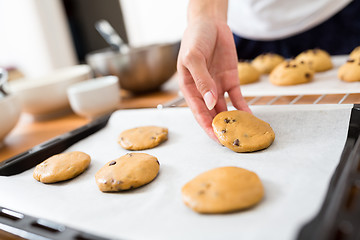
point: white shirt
(276, 19)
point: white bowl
(95, 97)
(10, 109)
(46, 95)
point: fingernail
(209, 100)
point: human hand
(207, 65)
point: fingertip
(209, 99)
(211, 134)
(246, 108)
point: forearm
(207, 8)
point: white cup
(94, 97)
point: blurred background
(42, 35)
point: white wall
(35, 37)
(154, 21)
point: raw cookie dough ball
(318, 59)
(247, 73)
(62, 167)
(291, 73)
(222, 190)
(242, 132)
(127, 172)
(355, 53)
(266, 62)
(350, 71)
(141, 138)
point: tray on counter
(295, 170)
(323, 83)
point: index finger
(202, 114)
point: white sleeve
(276, 19)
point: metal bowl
(141, 69)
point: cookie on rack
(130, 171)
(350, 71)
(291, 73)
(266, 62)
(247, 73)
(62, 167)
(242, 132)
(355, 53)
(222, 190)
(141, 138)
(318, 59)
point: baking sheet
(295, 171)
(323, 83)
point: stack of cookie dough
(220, 190)
(127, 172)
(300, 70)
(229, 189)
(62, 167)
(266, 62)
(134, 169)
(350, 71)
(247, 73)
(250, 72)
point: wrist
(213, 9)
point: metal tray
(337, 218)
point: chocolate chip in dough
(201, 192)
(236, 142)
(112, 163)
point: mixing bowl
(46, 96)
(139, 70)
(10, 109)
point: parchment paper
(295, 171)
(323, 83)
